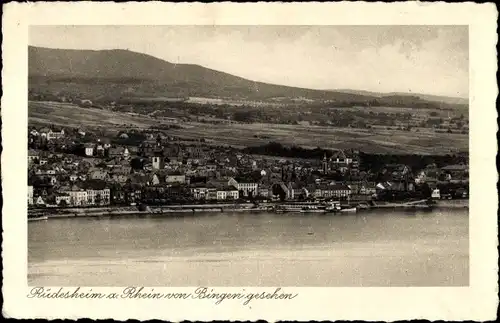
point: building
(99, 175)
(264, 191)
(55, 134)
(119, 178)
(100, 150)
(436, 194)
(33, 156)
(199, 191)
(295, 191)
(133, 196)
(89, 150)
(77, 195)
(98, 196)
(397, 172)
(149, 148)
(30, 195)
(325, 166)
(228, 192)
(53, 180)
(121, 170)
(367, 188)
(175, 178)
(246, 187)
(158, 162)
(63, 197)
(332, 191)
(154, 180)
(39, 201)
(343, 160)
(456, 171)
(118, 152)
(394, 186)
(44, 132)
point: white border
(477, 302)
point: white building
(54, 134)
(30, 195)
(228, 192)
(77, 196)
(436, 194)
(89, 150)
(246, 187)
(39, 201)
(200, 192)
(98, 197)
(157, 162)
(65, 198)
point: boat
(304, 207)
(333, 207)
(38, 218)
(348, 207)
(363, 206)
(313, 211)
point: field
(241, 135)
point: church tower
(325, 164)
(158, 162)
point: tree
(242, 116)
(63, 203)
(136, 163)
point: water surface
(376, 248)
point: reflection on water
(236, 249)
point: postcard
(226, 161)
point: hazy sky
(423, 59)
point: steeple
(325, 164)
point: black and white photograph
(243, 162)
(248, 155)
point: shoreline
(116, 211)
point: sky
(418, 59)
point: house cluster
(455, 174)
(160, 171)
(48, 133)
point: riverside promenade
(53, 212)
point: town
(74, 168)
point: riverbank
(150, 210)
(220, 208)
(452, 204)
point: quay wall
(213, 208)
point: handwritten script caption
(200, 293)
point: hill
(427, 97)
(126, 73)
(111, 75)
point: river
(375, 248)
